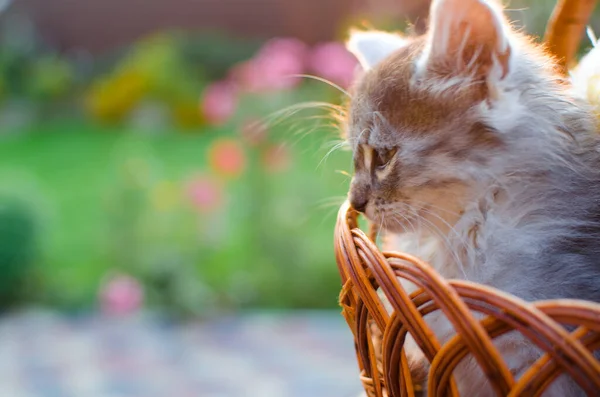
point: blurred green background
(176, 169)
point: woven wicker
(379, 336)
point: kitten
(467, 139)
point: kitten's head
(426, 118)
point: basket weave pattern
(379, 336)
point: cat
(468, 138)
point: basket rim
(347, 222)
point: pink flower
(274, 67)
(287, 45)
(333, 62)
(205, 193)
(254, 132)
(276, 158)
(121, 295)
(219, 102)
(227, 157)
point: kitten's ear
(372, 47)
(468, 37)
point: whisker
(330, 116)
(333, 204)
(432, 227)
(436, 231)
(337, 146)
(345, 173)
(335, 142)
(323, 80)
(328, 215)
(383, 222)
(328, 199)
(450, 227)
(278, 116)
(417, 235)
(301, 133)
(357, 139)
(435, 207)
(286, 116)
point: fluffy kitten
(465, 138)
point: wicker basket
(379, 336)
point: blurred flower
(113, 98)
(274, 67)
(277, 158)
(151, 116)
(219, 102)
(288, 45)
(186, 115)
(227, 157)
(165, 195)
(333, 62)
(121, 295)
(254, 131)
(205, 193)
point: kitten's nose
(359, 203)
(359, 194)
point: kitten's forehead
(395, 98)
(375, 131)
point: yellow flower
(187, 114)
(113, 98)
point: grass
(275, 245)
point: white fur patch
(372, 47)
(506, 111)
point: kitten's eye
(384, 157)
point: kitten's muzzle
(359, 203)
(360, 193)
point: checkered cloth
(305, 354)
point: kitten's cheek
(370, 213)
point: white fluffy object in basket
(586, 75)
